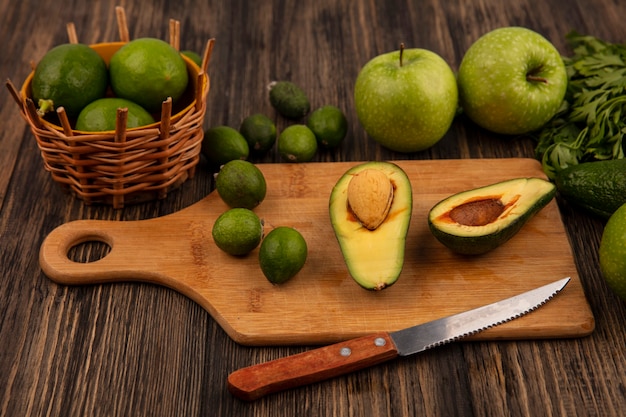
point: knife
(256, 381)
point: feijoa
(282, 254)
(289, 100)
(69, 75)
(259, 131)
(222, 144)
(237, 231)
(241, 184)
(101, 115)
(297, 143)
(329, 124)
(148, 71)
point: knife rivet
(345, 351)
(380, 341)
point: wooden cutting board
(322, 304)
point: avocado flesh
(374, 257)
(477, 221)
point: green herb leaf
(591, 124)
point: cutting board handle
(126, 260)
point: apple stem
(536, 79)
(530, 76)
(401, 52)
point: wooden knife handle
(312, 366)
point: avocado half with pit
(476, 221)
(370, 211)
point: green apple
(613, 252)
(512, 81)
(406, 100)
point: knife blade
(256, 381)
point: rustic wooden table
(132, 349)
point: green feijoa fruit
(237, 231)
(288, 99)
(297, 143)
(282, 254)
(259, 131)
(101, 115)
(222, 144)
(148, 71)
(241, 184)
(71, 76)
(329, 124)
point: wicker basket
(124, 166)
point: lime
(613, 252)
(101, 115)
(297, 143)
(222, 144)
(282, 254)
(329, 125)
(71, 76)
(237, 231)
(288, 99)
(194, 56)
(241, 184)
(260, 132)
(148, 71)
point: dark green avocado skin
(597, 187)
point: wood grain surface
(139, 349)
(322, 304)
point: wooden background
(140, 349)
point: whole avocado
(598, 187)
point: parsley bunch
(591, 123)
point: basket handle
(122, 25)
(71, 33)
(206, 56)
(27, 107)
(14, 93)
(175, 34)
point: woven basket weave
(124, 166)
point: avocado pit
(477, 213)
(370, 194)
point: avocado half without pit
(476, 221)
(370, 211)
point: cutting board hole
(89, 251)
